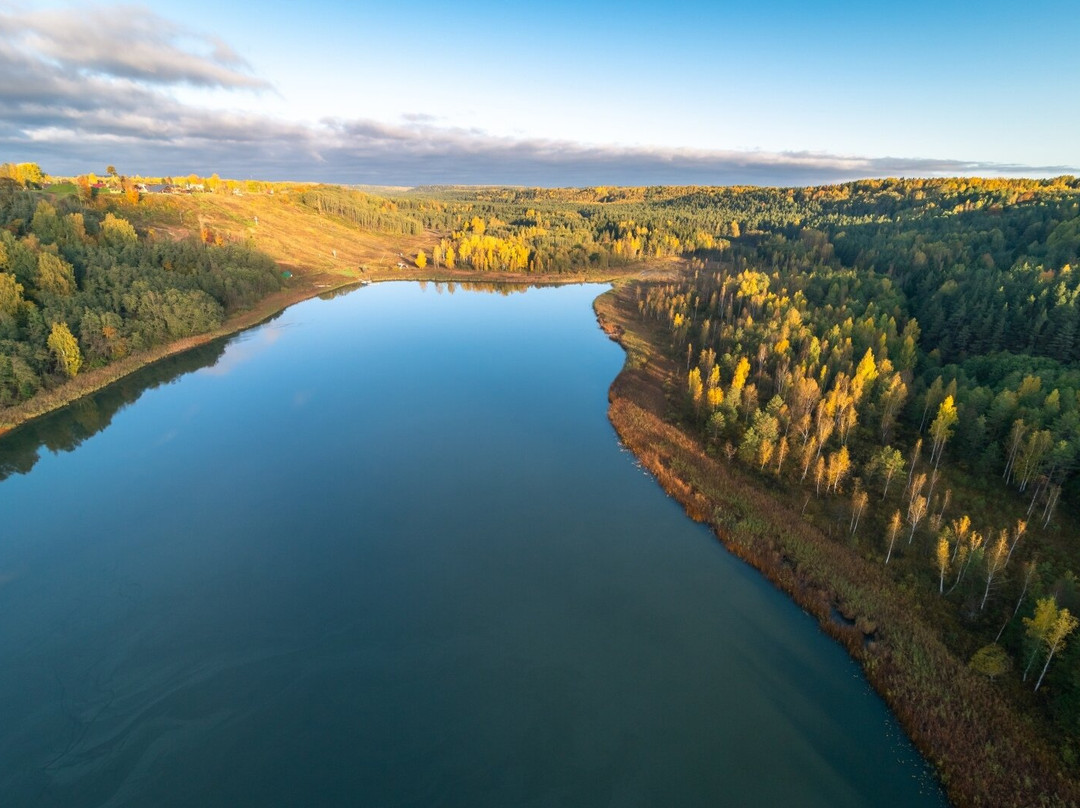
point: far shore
(303, 286)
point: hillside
(89, 292)
(100, 278)
(316, 248)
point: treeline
(26, 175)
(535, 243)
(552, 237)
(505, 237)
(79, 287)
(365, 210)
(914, 223)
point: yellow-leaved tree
(117, 231)
(11, 293)
(1047, 630)
(55, 275)
(941, 429)
(65, 348)
(742, 370)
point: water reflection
(66, 429)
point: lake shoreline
(309, 285)
(982, 751)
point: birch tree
(941, 429)
(996, 559)
(858, 505)
(943, 556)
(894, 530)
(888, 462)
(915, 514)
(1049, 629)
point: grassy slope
(986, 754)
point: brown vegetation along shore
(985, 753)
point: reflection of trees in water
(498, 287)
(341, 291)
(504, 289)
(65, 429)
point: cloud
(79, 91)
(421, 153)
(126, 42)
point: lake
(386, 550)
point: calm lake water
(386, 550)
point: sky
(405, 93)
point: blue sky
(550, 94)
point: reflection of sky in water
(443, 582)
(244, 347)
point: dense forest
(906, 354)
(79, 287)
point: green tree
(888, 462)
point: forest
(80, 288)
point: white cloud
(126, 42)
